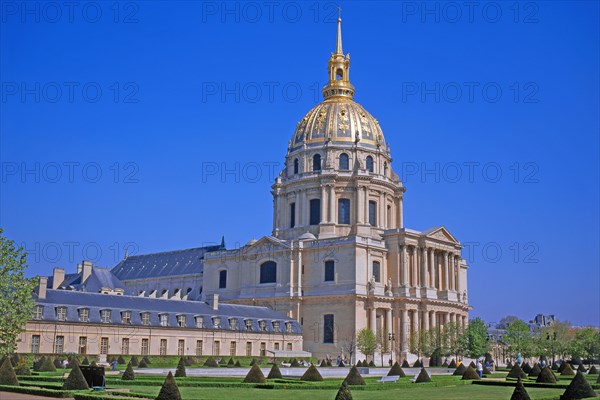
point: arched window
(377, 271)
(329, 271)
(268, 272)
(315, 212)
(385, 168)
(222, 279)
(296, 166)
(369, 163)
(344, 162)
(372, 213)
(317, 162)
(344, 211)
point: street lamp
(391, 338)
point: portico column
(297, 209)
(331, 214)
(373, 320)
(359, 205)
(433, 320)
(415, 321)
(445, 267)
(324, 216)
(424, 274)
(405, 330)
(388, 321)
(426, 320)
(458, 288)
(366, 205)
(304, 208)
(403, 266)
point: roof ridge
(174, 251)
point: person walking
(480, 368)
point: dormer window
(84, 314)
(262, 325)
(61, 313)
(126, 317)
(105, 316)
(216, 322)
(145, 316)
(233, 324)
(276, 326)
(181, 321)
(248, 324)
(288, 327)
(164, 319)
(39, 311)
(199, 322)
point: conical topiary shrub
(93, 364)
(22, 368)
(15, 360)
(169, 389)
(57, 363)
(535, 371)
(323, 363)
(372, 364)
(134, 361)
(341, 364)
(452, 364)
(418, 364)
(445, 364)
(567, 370)
(142, 364)
(230, 363)
(579, 388)
(396, 370)
(359, 364)
(526, 367)
(423, 377)
(593, 370)
(554, 366)
(509, 365)
(581, 368)
(562, 366)
(85, 361)
(354, 377)
(329, 363)
(75, 380)
(460, 370)
(237, 364)
(147, 360)
(128, 375)
(344, 392)
(473, 365)
(546, 376)
(516, 372)
(295, 363)
(72, 362)
(121, 360)
(255, 375)
(47, 365)
(274, 373)
(405, 364)
(519, 393)
(210, 362)
(312, 374)
(470, 375)
(7, 373)
(180, 371)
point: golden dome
(338, 120)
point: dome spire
(339, 85)
(338, 45)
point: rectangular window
(289, 347)
(372, 213)
(104, 345)
(328, 328)
(263, 349)
(125, 346)
(82, 345)
(145, 318)
(292, 215)
(181, 321)
(162, 350)
(145, 346)
(248, 348)
(344, 211)
(164, 319)
(35, 344)
(315, 212)
(61, 313)
(377, 271)
(180, 347)
(126, 317)
(233, 324)
(329, 271)
(217, 348)
(232, 348)
(222, 279)
(105, 316)
(276, 346)
(199, 322)
(84, 314)
(39, 311)
(199, 347)
(59, 344)
(248, 324)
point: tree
(475, 340)
(348, 345)
(422, 342)
(366, 341)
(556, 340)
(505, 321)
(450, 338)
(383, 343)
(16, 301)
(518, 339)
(587, 344)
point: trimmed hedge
(75, 380)
(46, 365)
(526, 367)
(7, 373)
(134, 361)
(35, 391)
(579, 388)
(143, 364)
(312, 374)
(452, 364)
(535, 371)
(460, 370)
(516, 372)
(423, 377)
(180, 371)
(359, 364)
(418, 364)
(581, 368)
(520, 393)
(593, 370)
(470, 375)
(169, 389)
(354, 377)
(396, 370)
(128, 375)
(567, 370)
(344, 392)
(274, 373)
(210, 362)
(255, 375)
(405, 364)
(546, 376)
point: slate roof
(168, 263)
(99, 278)
(95, 302)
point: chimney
(42, 286)
(58, 277)
(86, 270)
(79, 268)
(213, 301)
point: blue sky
(158, 125)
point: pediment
(441, 233)
(266, 244)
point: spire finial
(338, 46)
